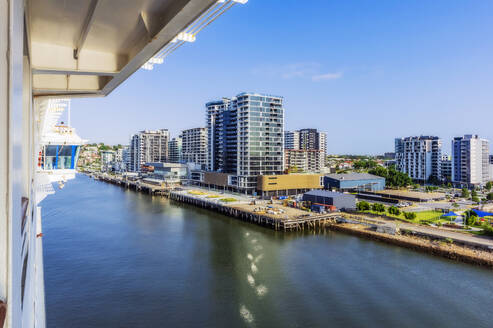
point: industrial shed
(337, 199)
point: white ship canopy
(88, 48)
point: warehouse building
(354, 182)
(339, 200)
(288, 184)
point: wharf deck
(289, 219)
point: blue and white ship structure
(52, 51)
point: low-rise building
(339, 200)
(267, 185)
(169, 172)
(288, 184)
(354, 182)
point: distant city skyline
(365, 73)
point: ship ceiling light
(190, 33)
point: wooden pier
(306, 222)
(301, 223)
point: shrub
(475, 199)
(410, 215)
(487, 229)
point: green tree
(363, 206)
(489, 185)
(475, 199)
(465, 193)
(393, 178)
(471, 217)
(380, 208)
(489, 196)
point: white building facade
(470, 160)
(246, 137)
(148, 146)
(419, 157)
(194, 146)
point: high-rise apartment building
(175, 150)
(217, 113)
(292, 140)
(245, 137)
(470, 160)
(310, 141)
(148, 147)
(419, 157)
(194, 146)
(446, 168)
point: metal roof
(326, 193)
(353, 176)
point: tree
(465, 193)
(489, 185)
(489, 196)
(433, 180)
(474, 193)
(364, 164)
(471, 217)
(363, 206)
(393, 178)
(380, 208)
(475, 199)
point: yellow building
(288, 184)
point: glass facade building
(245, 137)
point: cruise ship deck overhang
(87, 48)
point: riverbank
(473, 250)
(406, 239)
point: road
(438, 232)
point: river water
(117, 258)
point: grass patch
(421, 217)
(228, 200)
(197, 193)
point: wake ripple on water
(251, 280)
(246, 314)
(250, 257)
(261, 290)
(254, 268)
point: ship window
(60, 157)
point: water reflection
(117, 258)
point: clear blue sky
(363, 71)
